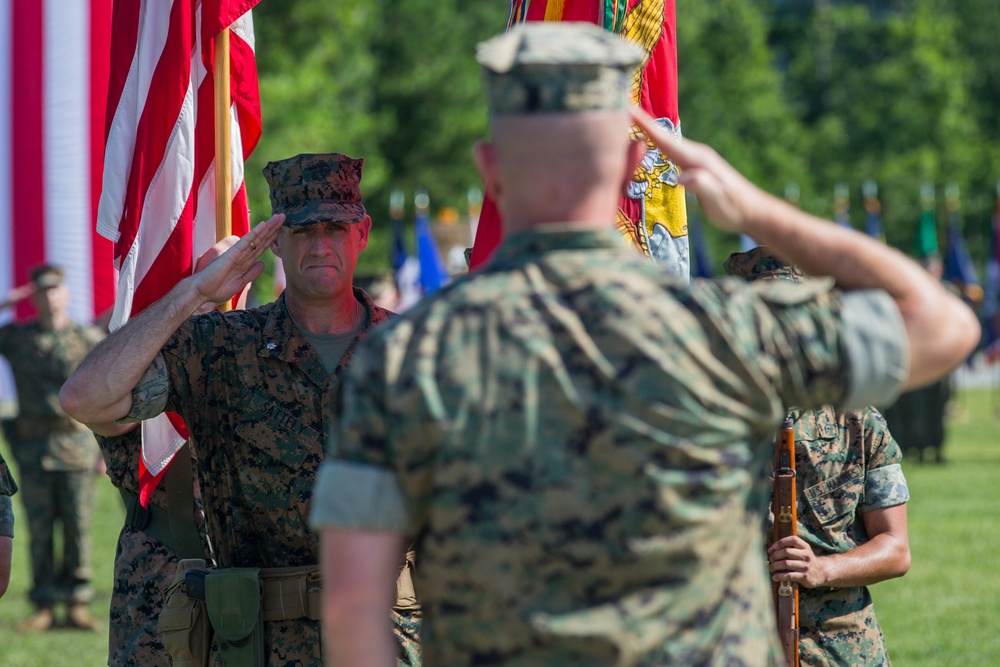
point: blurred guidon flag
(652, 213)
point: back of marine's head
(558, 95)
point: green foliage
(937, 615)
(392, 81)
(887, 97)
(731, 96)
(62, 646)
(813, 93)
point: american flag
(53, 83)
(53, 86)
(158, 200)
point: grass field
(945, 612)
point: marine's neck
(339, 314)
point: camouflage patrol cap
(316, 187)
(760, 263)
(45, 276)
(557, 67)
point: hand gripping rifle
(786, 594)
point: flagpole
(223, 168)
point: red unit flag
(652, 213)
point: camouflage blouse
(256, 400)
(41, 361)
(573, 438)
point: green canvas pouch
(183, 621)
(233, 596)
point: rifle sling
(180, 506)
(174, 526)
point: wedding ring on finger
(253, 246)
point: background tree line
(813, 92)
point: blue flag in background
(991, 296)
(701, 262)
(873, 211)
(433, 273)
(958, 266)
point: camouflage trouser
(292, 643)
(406, 630)
(66, 497)
(143, 569)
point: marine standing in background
(7, 489)
(571, 436)
(55, 454)
(254, 388)
(851, 498)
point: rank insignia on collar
(271, 346)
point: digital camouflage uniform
(55, 457)
(257, 401)
(576, 437)
(144, 565)
(7, 489)
(846, 463)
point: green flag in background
(926, 241)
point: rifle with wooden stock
(786, 593)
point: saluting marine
(572, 437)
(254, 388)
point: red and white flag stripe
(53, 86)
(158, 200)
(53, 83)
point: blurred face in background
(50, 301)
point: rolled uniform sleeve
(149, 396)
(168, 384)
(885, 487)
(885, 484)
(875, 340)
(7, 489)
(357, 486)
(6, 517)
(356, 495)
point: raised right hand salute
(100, 390)
(941, 329)
(17, 295)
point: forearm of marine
(821, 248)
(941, 330)
(883, 557)
(100, 390)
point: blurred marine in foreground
(572, 437)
